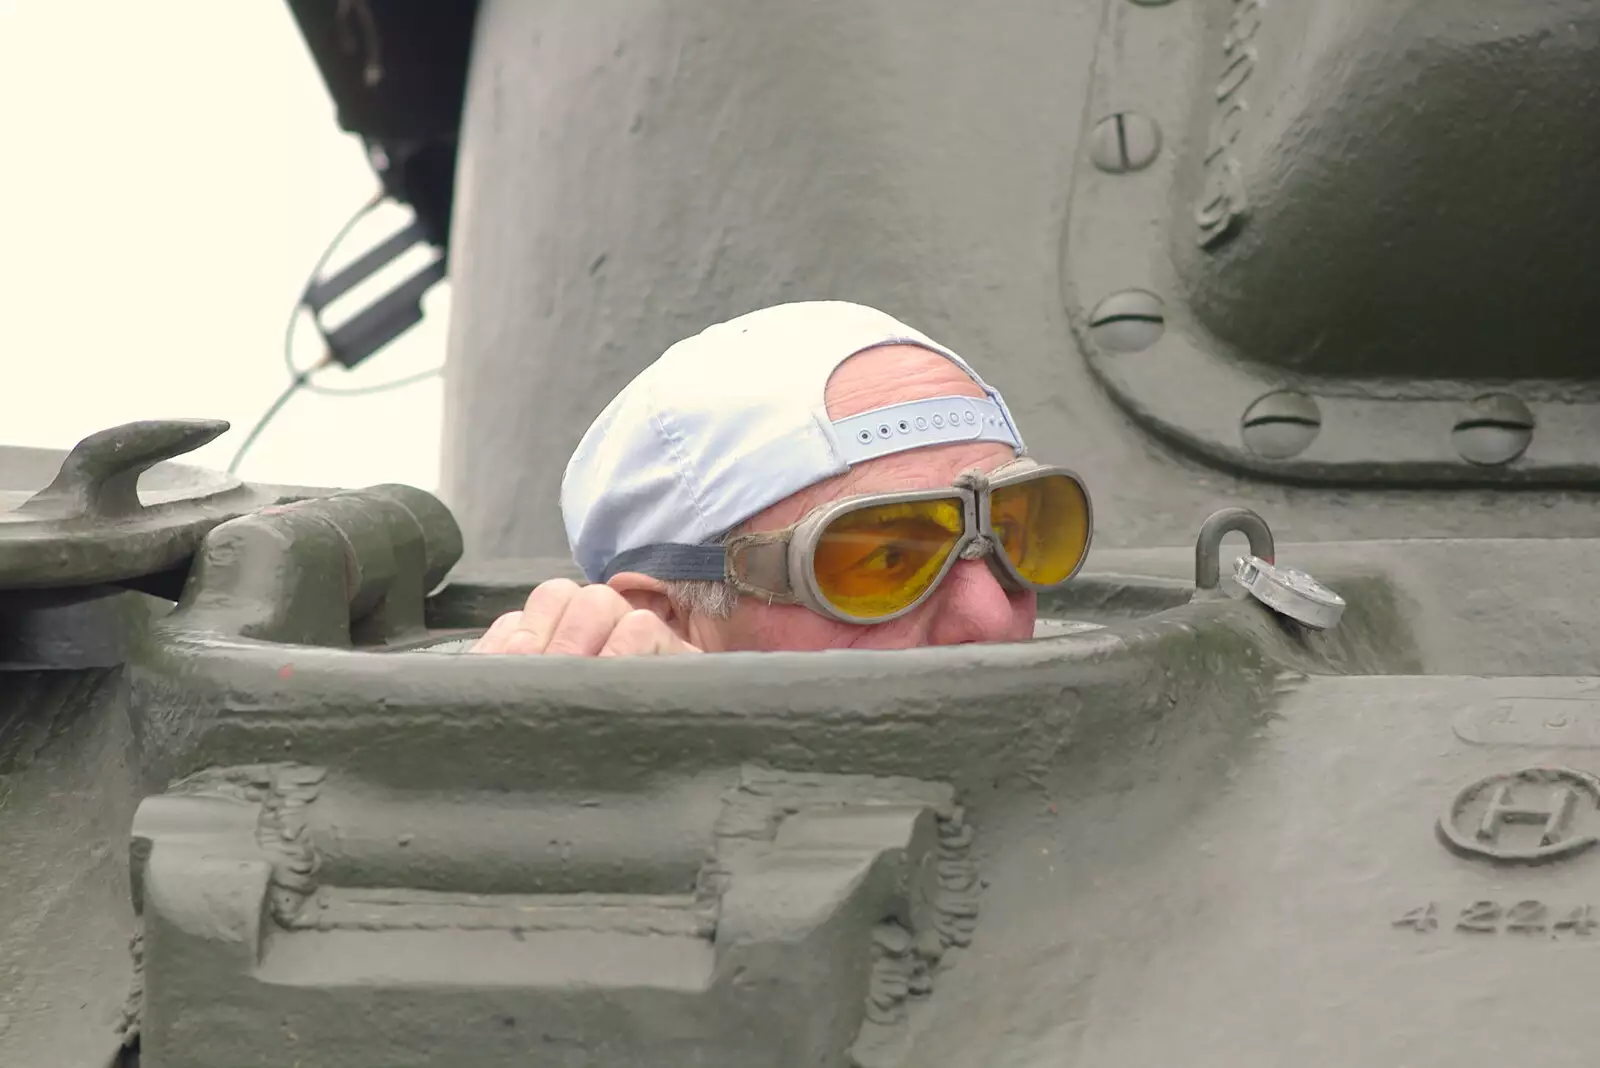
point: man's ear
(642, 591)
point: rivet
(955, 418)
(1124, 142)
(938, 420)
(971, 418)
(1495, 429)
(1127, 321)
(922, 423)
(1280, 425)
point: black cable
(299, 379)
(266, 417)
(312, 277)
(365, 391)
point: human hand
(562, 618)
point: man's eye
(890, 556)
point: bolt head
(1124, 142)
(1495, 429)
(1128, 321)
(1280, 424)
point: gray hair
(714, 600)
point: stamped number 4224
(1490, 917)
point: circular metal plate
(1290, 592)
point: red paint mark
(285, 672)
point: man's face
(969, 605)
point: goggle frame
(759, 554)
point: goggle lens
(1042, 525)
(874, 561)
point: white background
(169, 172)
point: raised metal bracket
(1189, 191)
(119, 511)
(99, 479)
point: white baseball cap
(733, 420)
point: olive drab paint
(1307, 276)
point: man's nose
(974, 608)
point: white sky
(169, 172)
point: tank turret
(1300, 768)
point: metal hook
(1208, 546)
(100, 477)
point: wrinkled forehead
(883, 375)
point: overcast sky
(171, 170)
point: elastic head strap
(671, 562)
(751, 563)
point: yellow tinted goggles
(870, 558)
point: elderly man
(809, 476)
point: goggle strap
(758, 564)
(671, 563)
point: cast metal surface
(92, 516)
(277, 824)
(1352, 208)
(254, 811)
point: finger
(540, 616)
(493, 640)
(643, 633)
(591, 615)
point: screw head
(1495, 429)
(1280, 424)
(1127, 321)
(1124, 142)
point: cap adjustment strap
(915, 424)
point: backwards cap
(733, 419)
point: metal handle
(1208, 546)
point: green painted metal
(253, 810)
